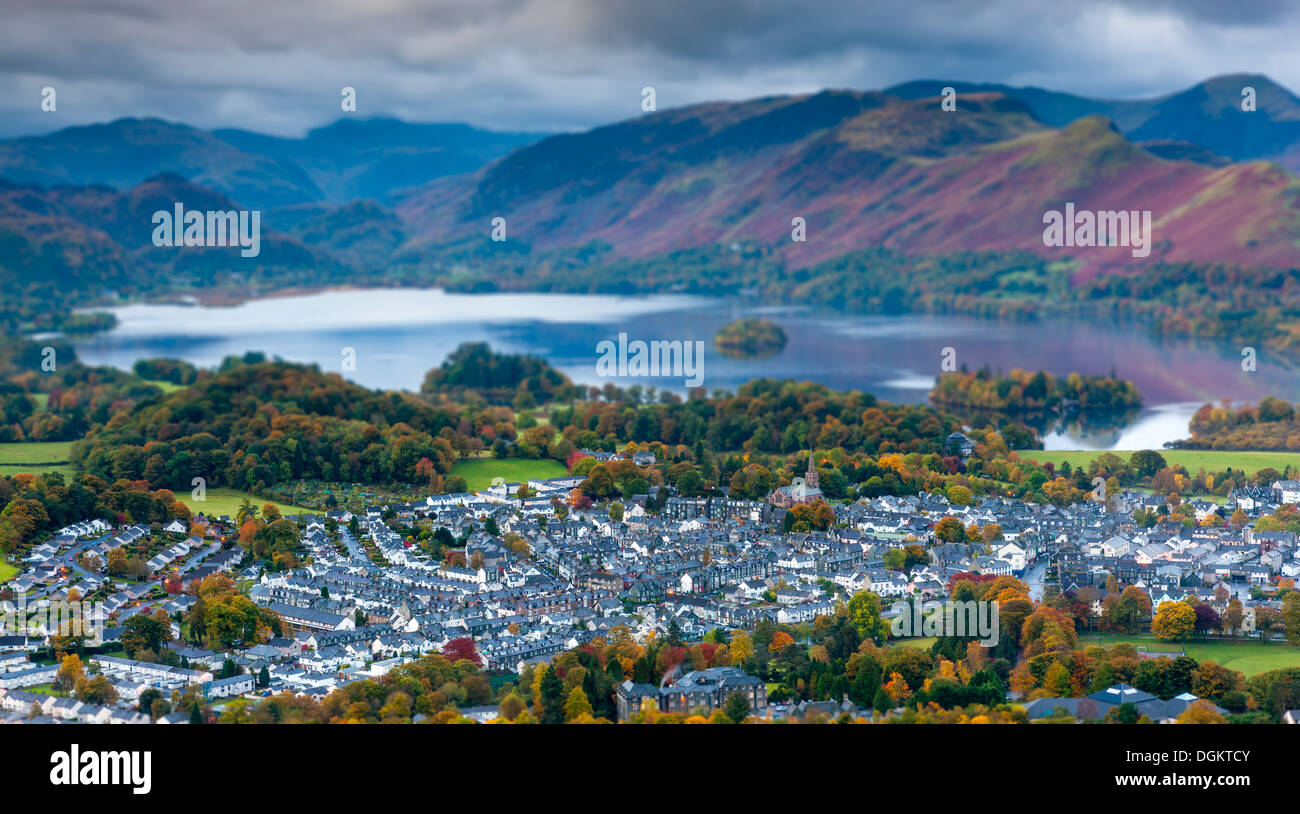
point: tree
(70, 672)
(1125, 713)
(146, 699)
(511, 706)
(780, 641)
(1291, 617)
(865, 616)
(116, 562)
(1201, 712)
(742, 647)
(882, 702)
(950, 530)
(246, 511)
(737, 707)
(461, 649)
(97, 690)
(1207, 618)
(551, 696)
(1233, 616)
(577, 704)
(263, 677)
(1146, 463)
(1174, 621)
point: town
(532, 576)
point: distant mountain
(88, 239)
(370, 158)
(389, 202)
(862, 170)
(1208, 114)
(344, 161)
(123, 153)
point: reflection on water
(1108, 429)
(1153, 428)
(399, 334)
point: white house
(1287, 491)
(1013, 553)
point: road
(354, 548)
(1034, 577)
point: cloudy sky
(278, 65)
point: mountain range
(863, 169)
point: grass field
(919, 642)
(35, 452)
(68, 470)
(1249, 656)
(223, 500)
(7, 572)
(1192, 459)
(478, 474)
(36, 457)
(166, 387)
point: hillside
(714, 189)
(63, 246)
(1207, 114)
(372, 158)
(341, 162)
(863, 170)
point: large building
(701, 689)
(787, 497)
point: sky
(278, 66)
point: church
(803, 490)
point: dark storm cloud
(560, 64)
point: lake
(399, 334)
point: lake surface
(399, 334)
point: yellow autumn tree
(1174, 621)
(1201, 712)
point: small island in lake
(750, 338)
(1022, 391)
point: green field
(1249, 656)
(36, 457)
(1191, 459)
(7, 572)
(35, 452)
(224, 501)
(919, 642)
(166, 387)
(67, 470)
(478, 474)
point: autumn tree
(1174, 621)
(1201, 711)
(70, 672)
(865, 614)
(577, 704)
(1291, 617)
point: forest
(1272, 424)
